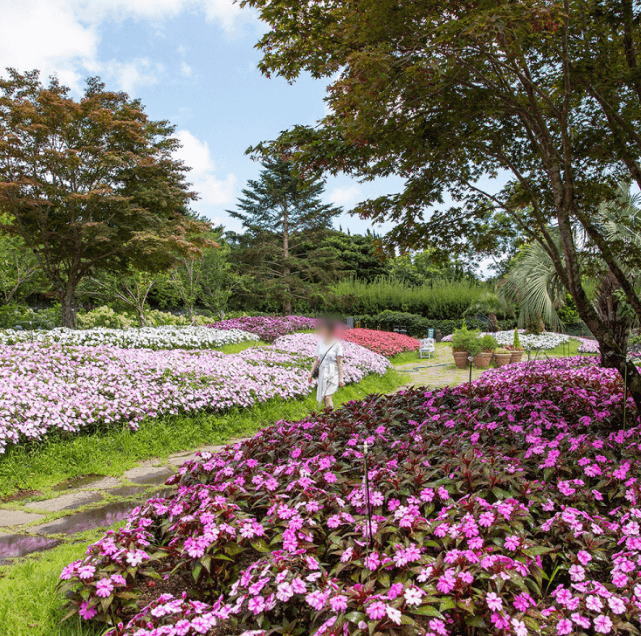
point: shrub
(516, 344)
(466, 341)
(487, 343)
(21, 317)
(103, 317)
(418, 326)
(440, 300)
(507, 507)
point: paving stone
(126, 491)
(17, 517)
(104, 483)
(149, 475)
(70, 501)
(88, 519)
(18, 545)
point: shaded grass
(113, 450)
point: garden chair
(426, 347)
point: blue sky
(192, 62)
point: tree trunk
(141, 316)
(67, 300)
(287, 302)
(613, 356)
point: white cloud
(62, 36)
(196, 155)
(345, 196)
(185, 69)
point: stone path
(436, 371)
(31, 523)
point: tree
(359, 255)
(285, 221)
(91, 184)
(19, 271)
(451, 95)
(128, 288)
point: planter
(460, 359)
(516, 356)
(482, 360)
(502, 359)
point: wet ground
(30, 523)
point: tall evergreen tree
(286, 222)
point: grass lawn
(29, 604)
(113, 450)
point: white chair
(427, 347)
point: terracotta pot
(482, 360)
(460, 359)
(502, 359)
(516, 356)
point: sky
(192, 62)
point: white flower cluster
(156, 338)
(546, 340)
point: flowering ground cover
(512, 507)
(546, 340)
(52, 387)
(268, 328)
(144, 338)
(387, 343)
(588, 346)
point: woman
(329, 362)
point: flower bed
(588, 346)
(547, 340)
(387, 343)
(268, 328)
(510, 508)
(46, 387)
(143, 338)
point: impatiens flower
(413, 596)
(104, 588)
(564, 626)
(86, 612)
(602, 624)
(256, 604)
(338, 603)
(494, 602)
(376, 610)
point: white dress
(328, 371)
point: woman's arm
(311, 373)
(339, 362)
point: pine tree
(285, 221)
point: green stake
(625, 391)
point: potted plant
(464, 343)
(487, 345)
(516, 350)
(502, 357)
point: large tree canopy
(448, 95)
(89, 184)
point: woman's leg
(328, 402)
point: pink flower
(602, 624)
(256, 605)
(376, 610)
(86, 612)
(494, 602)
(564, 626)
(338, 603)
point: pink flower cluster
(511, 507)
(387, 343)
(268, 328)
(49, 387)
